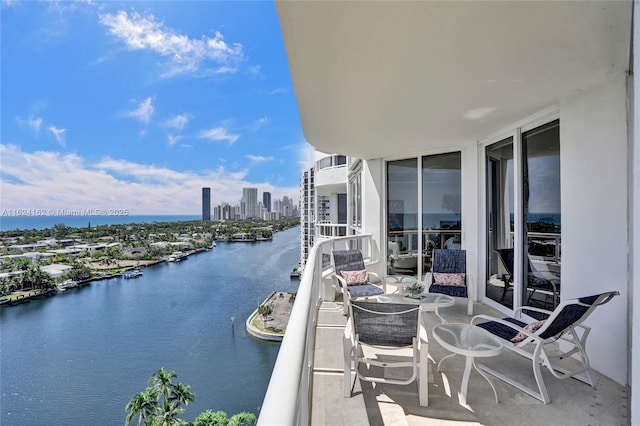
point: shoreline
(35, 294)
(279, 300)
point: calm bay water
(78, 357)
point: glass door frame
(420, 269)
(514, 132)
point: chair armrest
(348, 331)
(341, 281)
(383, 282)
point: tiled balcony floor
(572, 402)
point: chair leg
(470, 306)
(505, 288)
(538, 374)
(349, 374)
(345, 302)
(423, 378)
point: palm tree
(144, 405)
(265, 311)
(168, 415)
(243, 419)
(181, 394)
(162, 380)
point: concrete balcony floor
(572, 402)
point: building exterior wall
(307, 217)
(634, 317)
(595, 188)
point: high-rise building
(206, 203)
(286, 206)
(250, 200)
(307, 216)
(266, 200)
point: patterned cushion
(531, 328)
(456, 280)
(355, 277)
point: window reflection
(541, 205)
(500, 225)
(439, 204)
(402, 216)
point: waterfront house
(498, 124)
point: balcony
(306, 383)
(329, 230)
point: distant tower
(206, 203)
(250, 198)
(266, 200)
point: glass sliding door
(402, 216)
(423, 210)
(441, 204)
(541, 253)
(500, 222)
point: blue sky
(138, 105)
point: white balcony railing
(288, 397)
(330, 230)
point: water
(10, 221)
(78, 357)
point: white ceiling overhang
(378, 78)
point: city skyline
(137, 106)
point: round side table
(472, 342)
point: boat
(296, 272)
(67, 284)
(243, 237)
(132, 274)
(177, 256)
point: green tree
(243, 419)
(161, 403)
(79, 272)
(210, 418)
(265, 311)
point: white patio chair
(374, 335)
(532, 340)
(353, 278)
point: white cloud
(58, 134)
(51, 180)
(183, 55)
(306, 155)
(173, 139)
(255, 71)
(35, 123)
(260, 122)
(142, 112)
(218, 134)
(279, 91)
(259, 158)
(177, 122)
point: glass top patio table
(471, 342)
(427, 301)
